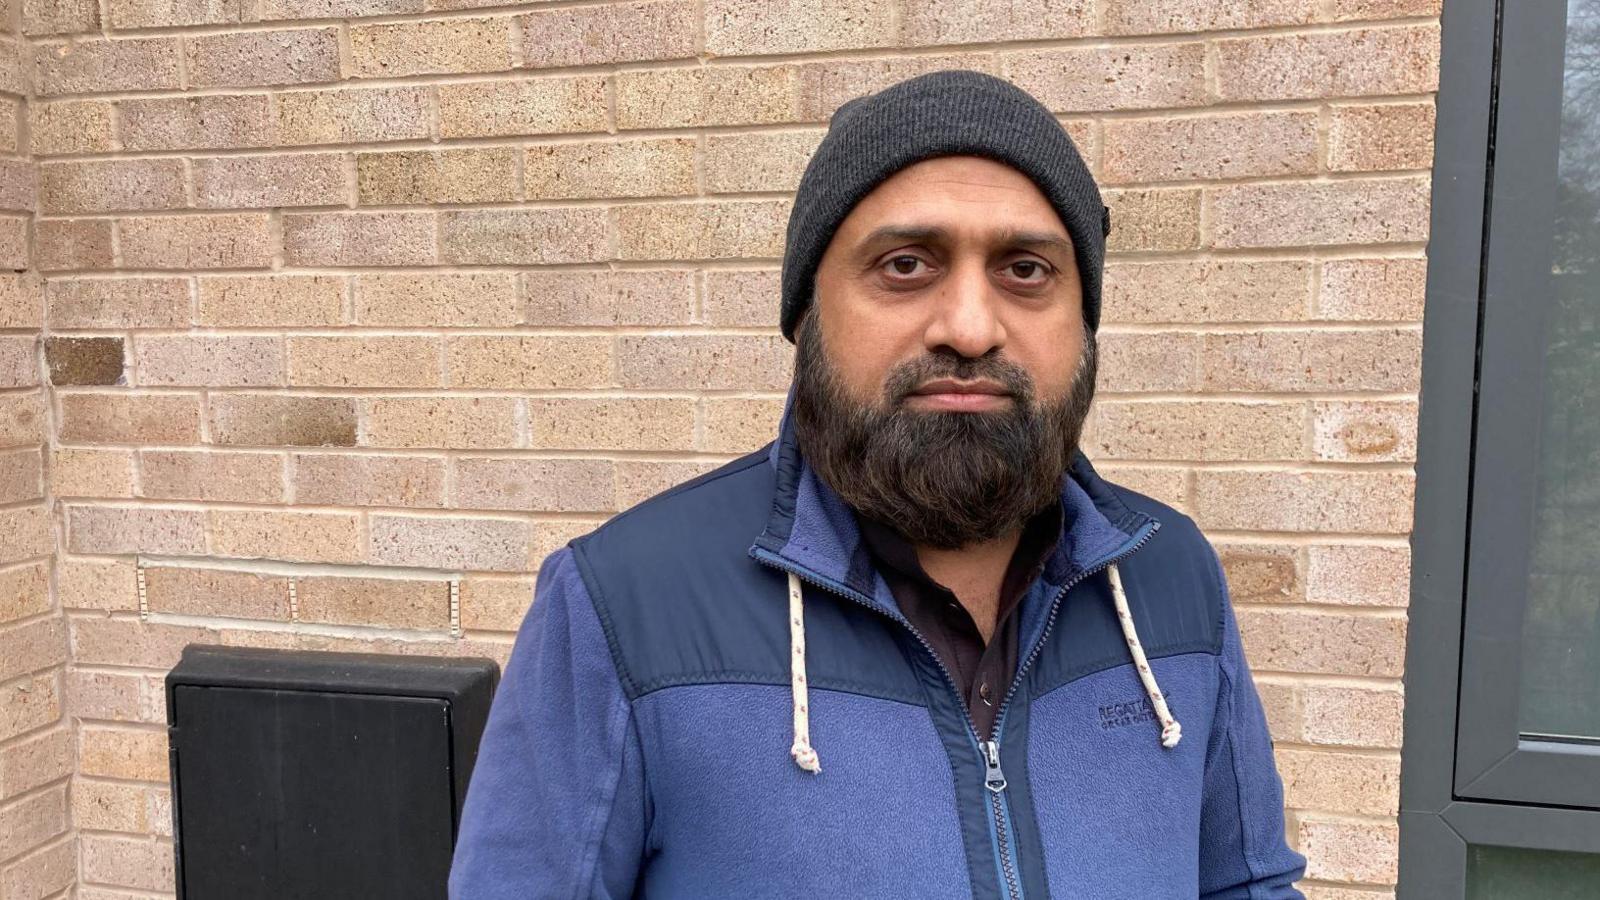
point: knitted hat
(953, 111)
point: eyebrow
(1013, 236)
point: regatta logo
(1129, 712)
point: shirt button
(984, 692)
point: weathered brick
(1196, 430)
(22, 418)
(14, 238)
(1364, 430)
(61, 244)
(278, 534)
(495, 604)
(229, 240)
(1372, 360)
(1099, 79)
(19, 365)
(25, 532)
(1365, 138)
(121, 418)
(825, 85)
(110, 185)
(24, 591)
(1358, 575)
(470, 175)
(44, 872)
(217, 592)
(129, 642)
(1383, 9)
(344, 9)
(709, 362)
(1353, 716)
(12, 112)
(135, 529)
(547, 485)
(390, 602)
(32, 821)
(283, 301)
(528, 106)
(351, 116)
(453, 423)
(449, 46)
(455, 542)
(360, 239)
(1281, 702)
(70, 126)
(610, 33)
(89, 472)
(251, 182)
(185, 123)
(1323, 643)
(118, 302)
(128, 753)
(739, 424)
(764, 161)
(741, 297)
(1340, 782)
(84, 360)
(1203, 291)
(1349, 63)
(1318, 213)
(139, 863)
(209, 360)
(229, 476)
(609, 297)
(611, 423)
(1262, 572)
(96, 583)
(523, 236)
(1153, 219)
(110, 806)
(756, 27)
(1140, 17)
(289, 56)
(710, 229)
(1168, 484)
(452, 300)
(651, 167)
(1148, 361)
(22, 300)
(32, 646)
(346, 479)
(272, 420)
(1234, 145)
(58, 16)
(28, 704)
(526, 361)
(21, 475)
(363, 361)
(698, 97)
(1352, 851)
(1353, 501)
(1381, 289)
(95, 64)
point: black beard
(942, 479)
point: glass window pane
(1511, 873)
(1561, 635)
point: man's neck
(975, 573)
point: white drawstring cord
(804, 755)
(1171, 731)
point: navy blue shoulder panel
(1174, 592)
(683, 602)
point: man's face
(944, 369)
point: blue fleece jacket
(639, 743)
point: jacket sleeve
(1244, 852)
(557, 804)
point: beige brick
(610, 33)
(1139, 17)
(144, 14)
(352, 116)
(1204, 291)
(1353, 501)
(21, 300)
(545, 485)
(447, 46)
(277, 420)
(72, 244)
(1359, 575)
(251, 182)
(132, 754)
(609, 297)
(222, 475)
(122, 696)
(1196, 430)
(184, 123)
(1323, 642)
(1356, 430)
(1153, 219)
(1383, 9)
(363, 361)
(557, 533)
(22, 418)
(19, 366)
(70, 126)
(360, 239)
(1281, 702)
(742, 297)
(1353, 716)
(129, 642)
(110, 806)
(29, 704)
(455, 542)
(764, 161)
(712, 229)
(110, 185)
(525, 361)
(389, 602)
(1261, 572)
(21, 475)
(217, 592)
(209, 360)
(94, 64)
(451, 423)
(290, 56)
(96, 584)
(346, 479)
(1329, 892)
(523, 236)
(739, 424)
(1356, 211)
(12, 112)
(30, 822)
(528, 106)
(1099, 79)
(44, 872)
(14, 238)
(1381, 289)
(698, 97)
(19, 184)
(1167, 484)
(1322, 360)
(24, 591)
(473, 175)
(1340, 782)
(135, 529)
(446, 300)
(138, 863)
(1343, 850)
(611, 423)
(293, 536)
(32, 646)
(1349, 63)
(230, 240)
(118, 302)
(87, 472)
(710, 362)
(826, 84)
(495, 604)
(1364, 138)
(312, 9)
(654, 167)
(70, 360)
(1148, 361)
(25, 532)
(120, 418)
(1253, 144)
(283, 301)
(756, 27)
(58, 16)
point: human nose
(966, 319)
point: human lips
(948, 393)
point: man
(915, 647)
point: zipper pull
(993, 778)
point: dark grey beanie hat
(953, 111)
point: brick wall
(349, 305)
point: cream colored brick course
(253, 182)
(350, 479)
(211, 474)
(1401, 59)
(430, 46)
(647, 167)
(757, 27)
(611, 33)
(436, 299)
(533, 106)
(523, 236)
(470, 175)
(609, 297)
(453, 423)
(284, 301)
(280, 57)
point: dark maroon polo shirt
(982, 672)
